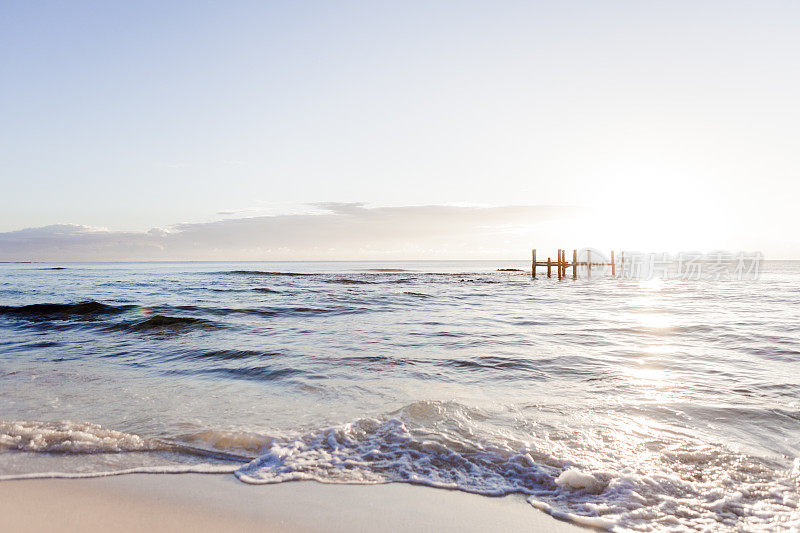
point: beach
(209, 503)
(400, 266)
(397, 396)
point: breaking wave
(437, 444)
(62, 311)
(69, 437)
(447, 445)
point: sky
(437, 129)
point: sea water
(619, 403)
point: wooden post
(622, 263)
(589, 262)
(548, 267)
(613, 269)
(533, 263)
(574, 264)
(559, 263)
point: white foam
(589, 521)
(690, 486)
(170, 469)
(379, 451)
(575, 479)
(71, 437)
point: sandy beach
(200, 503)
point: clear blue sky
(138, 115)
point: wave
(201, 468)
(210, 356)
(69, 437)
(270, 312)
(349, 281)
(420, 443)
(165, 323)
(265, 289)
(685, 485)
(255, 373)
(268, 273)
(527, 369)
(55, 315)
(380, 273)
(61, 311)
(377, 361)
(692, 485)
(232, 354)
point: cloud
(353, 208)
(340, 231)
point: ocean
(626, 404)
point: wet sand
(205, 503)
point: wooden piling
(589, 262)
(562, 263)
(574, 264)
(566, 263)
(559, 263)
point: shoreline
(216, 502)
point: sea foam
(69, 437)
(439, 444)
